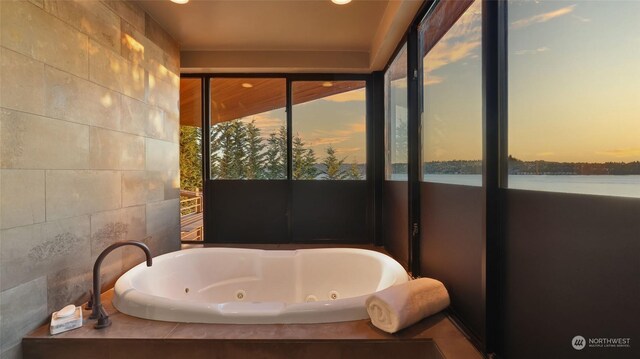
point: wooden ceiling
(233, 98)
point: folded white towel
(402, 305)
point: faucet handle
(90, 302)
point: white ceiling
(284, 35)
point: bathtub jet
(251, 286)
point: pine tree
(255, 156)
(304, 160)
(225, 143)
(354, 172)
(190, 158)
(275, 164)
(333, 166)
(214, 150)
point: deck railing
(191, 222)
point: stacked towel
(402, 305)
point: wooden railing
(191, 222)
(191, 204)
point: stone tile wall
(89, 151)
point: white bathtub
(250, 286)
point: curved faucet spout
(97, 312)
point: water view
(621, 186)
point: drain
(241, 294)
(186, 290)
(333, 295)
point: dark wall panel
(451, 247)
(246, 211)
(335, 211)
(572, 267)
(396, 221)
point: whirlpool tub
(251, 286)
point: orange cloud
(621, 152)
(354, 95)
(540, 18)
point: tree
(255, 156)
(214, 150)
(333, 166)
(275, 164)
(190, 158)
(354, 172)
(304, 160)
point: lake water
(622, 186)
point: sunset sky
(573, 89)
(573, 75)
(337, 120)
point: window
(574, 97)
(191, 155)
(248, 128)
(329, 140)
(450, 45)
(396, 116)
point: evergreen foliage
(190, 158)
(304, 160)
(333, 166)
(239, 151)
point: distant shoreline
(539, 167)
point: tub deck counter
(130, 337)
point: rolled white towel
(402, 305)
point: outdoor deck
(191, 220)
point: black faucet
(97, 311)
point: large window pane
(450, 42)
(574, 97)
(329, 122)
(396, 111)
(248, 128)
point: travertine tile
(171, 184)
(78, 100)
(110, 70)
(136, 48)
(70, 285)
(22, 309)
(125, 224)
(164, 94)
(30, 141)
(140, 187)
(90, 17)
(129, 12)
(21, 197)
(14, 352)
(172, 127)
(134, 116)
(154, 32)
(162, 155)
(142, 119)
(155, 123)
(36, 250)
(31, 31)
(116, 150)
(74, 193)
(22, 85)
(163, 225)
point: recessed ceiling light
(180, 1)
(327, 84)
(340, 2)
(247, 85)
